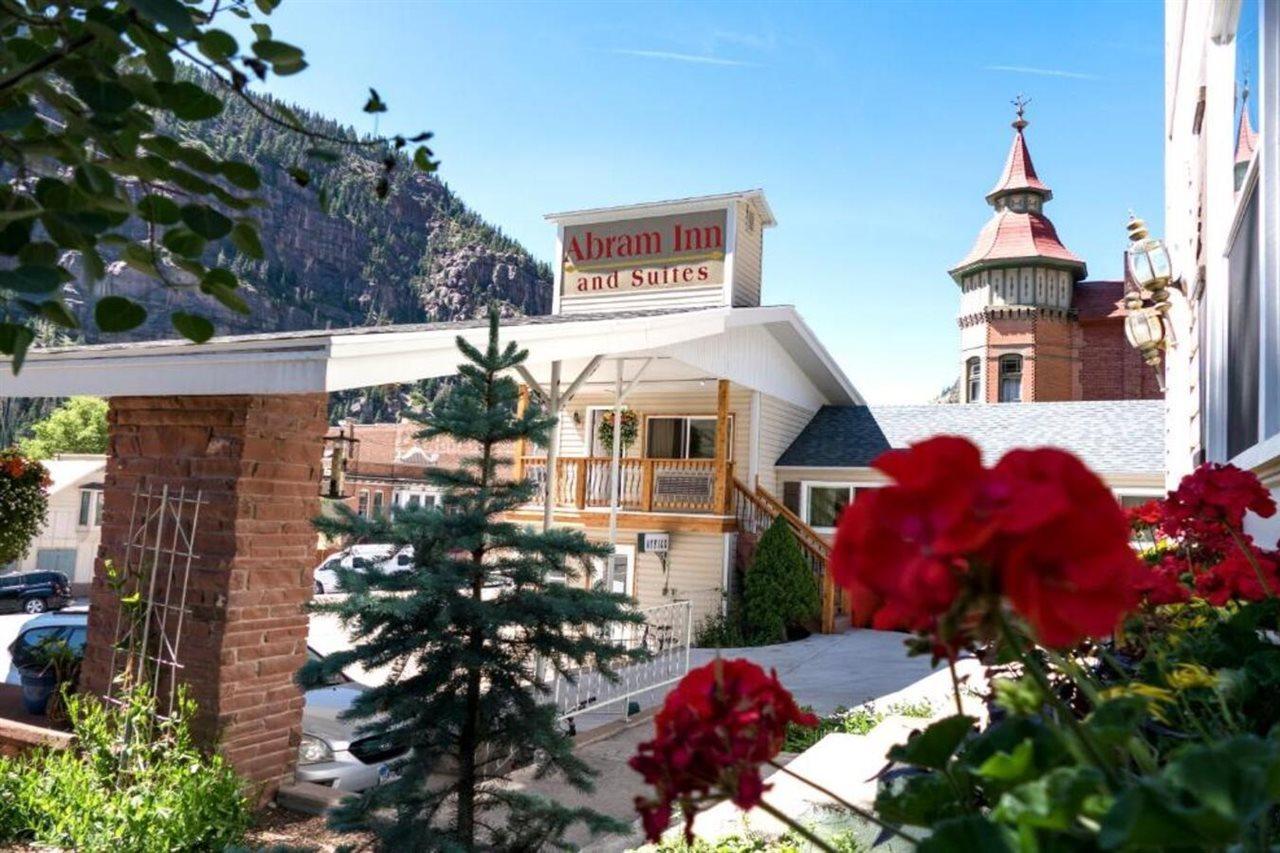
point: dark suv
(34, 592)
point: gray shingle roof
(1115, 436)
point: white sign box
(653, 543)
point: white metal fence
(665, 634)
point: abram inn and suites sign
(637, 255)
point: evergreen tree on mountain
(463, 632)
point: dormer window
(1018, 203)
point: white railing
(665, 634)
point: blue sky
(875, 129)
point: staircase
(756, 509)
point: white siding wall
(748, 257)
(687, 297)
(780, 423)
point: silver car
(330, 752)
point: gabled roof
(1019, 172)
(1110, 436)
(73, 469)
(1010, 236)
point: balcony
(645, 485)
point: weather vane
(1020, 107)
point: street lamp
(1146, 298)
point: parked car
(360, 558)
(34, 592)
(330, 752)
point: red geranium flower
(1162, 583)
(715, 729)
(1210, 504)
(1235, 577)
(903, 549)
(1063, 555)
(1146, 515)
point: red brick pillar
(256, 461)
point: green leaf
(192, 326)
(39, 253)
(324, 154)
(189, 102)
(245, 238)
(158, 209)
(14, 340)
(57, 313)
(206, 221)
(241, 175)
(32, 279)
(375, 104)
(301, 177)
(967, 834)
(934, 746)
(266, 7)
(102, 95)
(218, 45)
(917, 799)
(221, 285)
(1009, 767)
(117, 314)
(182, 241)
(94, 179)
(1056, 800)
(262, 31)
(422, 160)
(277, 51)
(170, 13)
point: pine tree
(463, 630)
(780, 595)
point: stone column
(256, 461)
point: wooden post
(727, 507)
(722, 446)
(646, 485)
(522, 406)
(553, 446)
(580, 483)
(828, 601)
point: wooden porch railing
(756, 510)
(645, 485)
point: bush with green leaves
(93, 96)
(780, 596)
(77, 426)
(132, 782)
(24, 503)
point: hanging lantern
(1148, 261)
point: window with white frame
(973, 380)
(822, 503)
(86, 507)
(362, 503)
(683, 437)
(1010, 379)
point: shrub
(133, 782)
(77, 426)
(721, 630)
(781, 598)
(855, 721)
(24, 503)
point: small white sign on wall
(653, 543)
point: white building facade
(1222, 218)
(68, 543)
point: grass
(852, 721)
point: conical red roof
(1009, 236)
(1246, 137)
(1019, 172)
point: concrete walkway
(824, 672)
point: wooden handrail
(806, 537)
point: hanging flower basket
(24, 503)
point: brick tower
(1017, 319)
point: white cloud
(680, 57)
(1043, 72)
